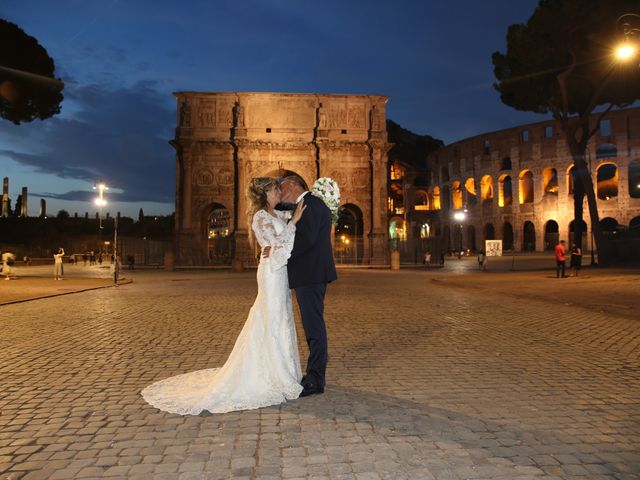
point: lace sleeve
(281, 243)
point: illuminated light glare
(459, 216)
(625, 51)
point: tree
(140, 216)
(63, 214)
(28, 88)
(561, 62)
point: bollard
(395, 260)
(169, 261)
(237, 265)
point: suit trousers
(311, 302)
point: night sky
(122, 59)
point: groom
(310, 269)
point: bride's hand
(300, 208)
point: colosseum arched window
(436, 198)
(550, 181)
(525, 184)
(507, 236)
(570, 180)
(486, 188)
(607, 181)
(634, 178)
(506, 163)
(505, 191)
(457, 195)
(420, 200)
(470, 186)
(444, 173)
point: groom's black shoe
(310, 388)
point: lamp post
(100, 202)
(460, 217)
(629, 25)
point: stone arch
(457, 195)
(218, 234)
(529, 237)
(607, 181)
(489, 232)
(634, 178)
(572, 232)
(470, 187)
(609, 226)
(421, 200)
(349, 234)
(486, 188)
(551, 235)
(570, 180)
(550, 181)
(505, 191)
(525, 187)
(507, 236)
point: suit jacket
(311, 260)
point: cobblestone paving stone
(424, 382)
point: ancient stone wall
(534, 162)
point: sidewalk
(30, 283)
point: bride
(264, 366)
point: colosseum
(515, 185)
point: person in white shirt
(57, 264)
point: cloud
(119, 135)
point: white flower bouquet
(326, 189)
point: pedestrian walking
(482, 260)
(427, 259)
(8, 258)
(576, 259)
(58, 269)
(560, 259)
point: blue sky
(122, 59)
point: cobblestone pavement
(425, 382)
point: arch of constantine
(222, 140)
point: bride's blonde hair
(257, 193)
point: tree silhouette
(561, 62)
(28, 88)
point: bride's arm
(279, 244)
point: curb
(30, 299)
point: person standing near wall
(560, 259)
(576, 259)
(58, 270)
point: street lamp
(629, 25)
(460, 217)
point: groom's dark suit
(310, 268)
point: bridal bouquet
(326, 189)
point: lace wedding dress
(264, 366)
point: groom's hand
(265, 252)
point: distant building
(516, 185)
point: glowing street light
(629, 26)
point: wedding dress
(264, 366)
